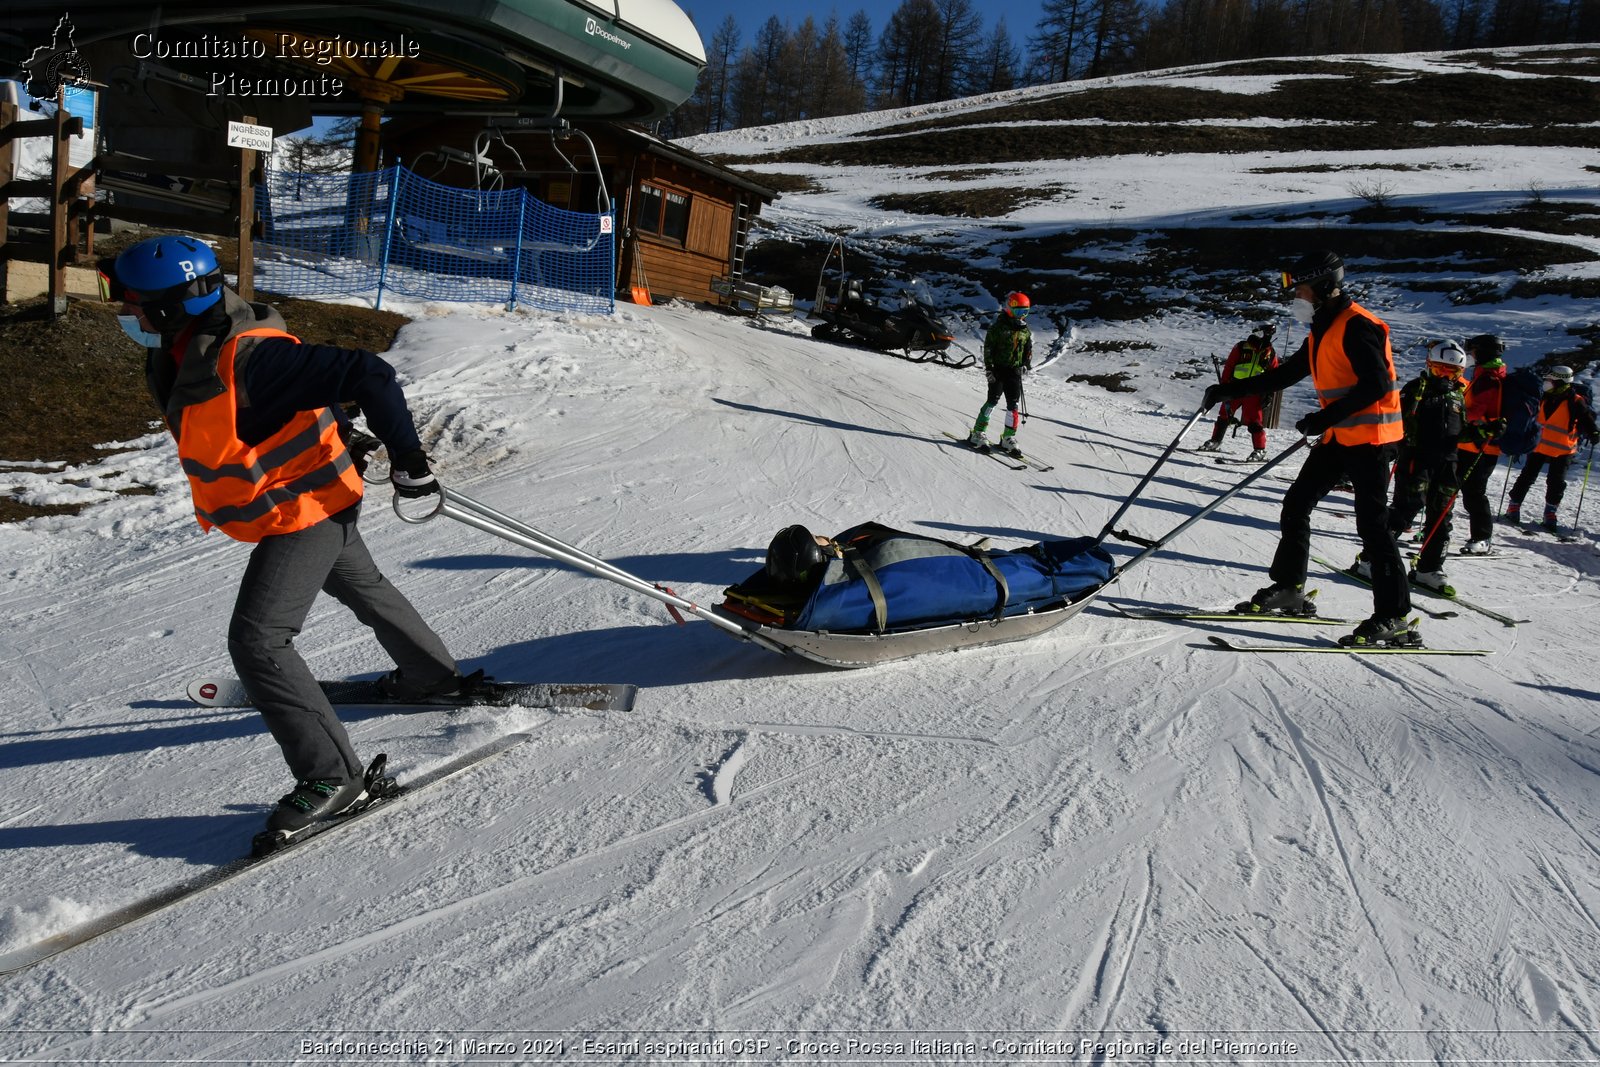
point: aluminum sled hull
(869, 650)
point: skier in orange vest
(1564, 419)
(262, 437)
(1349, 360)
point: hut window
(663, 212)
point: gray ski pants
(280, 583)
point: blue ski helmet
(170, 278)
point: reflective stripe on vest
(1331, 374)
(1555, 440)
(292, 480)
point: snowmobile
(894, 315)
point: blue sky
(750, 14)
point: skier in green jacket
(1007, 354)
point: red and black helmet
(1017, 305)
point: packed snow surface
(1111, 843)
(1109, 831)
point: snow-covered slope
(1110, 831)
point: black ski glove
(1314, 425)
(412, 477)
(1217, 392)
(362, 446)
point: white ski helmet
(1448, 354)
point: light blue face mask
(130, 326)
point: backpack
(1519, 406)
(1585, 390)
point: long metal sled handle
(480, 516)
(1156, 546)
(1126, 504)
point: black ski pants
(1428, 487)
(1475, 468)
(282, 579)
(1007, 380)
(1555, 485)
(1367, 467)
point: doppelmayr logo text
(594, 29)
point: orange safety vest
(292, 480)
(1376, 424)
(1468, 397)
(1554, 439)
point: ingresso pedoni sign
(246, 135)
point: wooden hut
(683, 221)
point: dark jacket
(278, 376)
(1364, 347)
(1008, 343)
(1433, 410)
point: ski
(1416, 587)
(595, 696)
(1226, 616)
(28, 955)
(1354, 577)
(1503, 620)
(1565, 537)
(1234, 459)
(998, 457)
(1030, 461)
(1353, 650)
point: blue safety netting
(395, 231)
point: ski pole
(1584, 488)
(1511, 461)
(1448, 505)
(1209, 508)
(1173, 447)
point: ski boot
(1377, 632)
(1477, 548)
(318, 801)
(1550, 525)
(1513, 515)
(1278, 600)
(1257, 456)
(1008, 445)
(478, 688)
(1210, 446)
(1361, 568)
(975, 439)
(1434, 580)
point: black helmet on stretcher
(793, 554)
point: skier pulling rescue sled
(1348, 358)
(270, 460)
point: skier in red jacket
(1250, 357)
